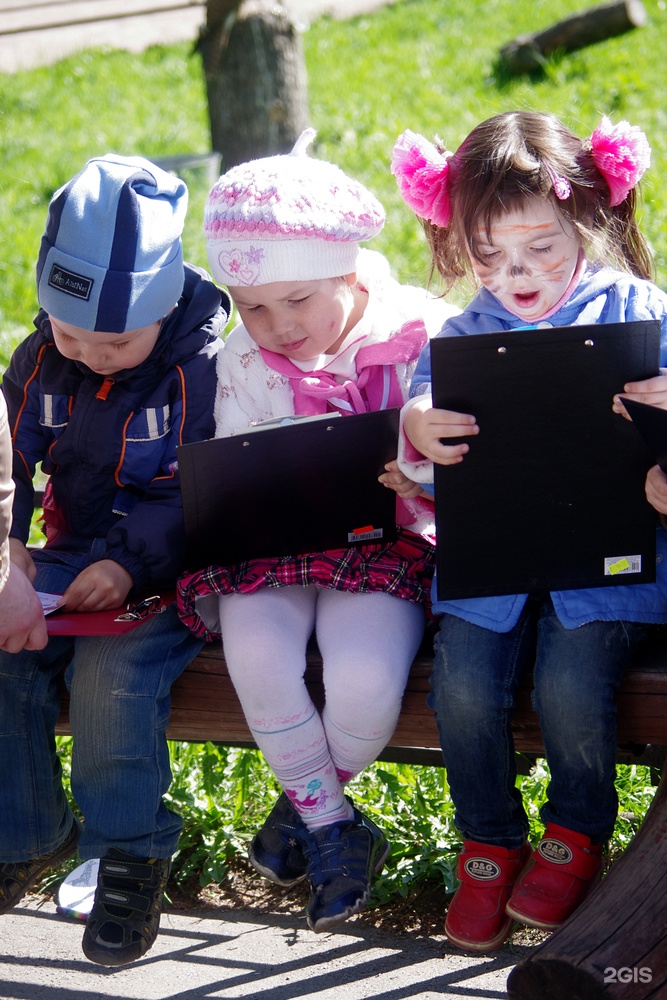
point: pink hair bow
(621, 153)
(422, 174)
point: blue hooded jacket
(108, 445)
(602, 296)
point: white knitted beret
(287, 218)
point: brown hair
(516, 155)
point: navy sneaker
(17, 878)
(125, 917)
(276, 850)
(342, 858)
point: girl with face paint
(545, 224)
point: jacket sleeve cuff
(4, 562)
(410, 461)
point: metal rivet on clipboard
(137, 612)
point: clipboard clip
(142, 609)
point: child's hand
(651, 390)
(19, 555)
(656, 489)
(103, 585)
(394, 479)
(425, 426)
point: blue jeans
(119, 708)
(576, 673)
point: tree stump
(614, 947)
(529, 52)
(256, 81)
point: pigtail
(621, 154)
(633, 252)
(448, 260)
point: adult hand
(99, 587)
(425, 426)
(22, 624)
(650, 390)
(20, 556)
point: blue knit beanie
(111, 257)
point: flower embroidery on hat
(241, 266)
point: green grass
(223, 795)
(432, 67)
(426, 65)
(420, 64)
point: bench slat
(205, 706)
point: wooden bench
(205, 707)
(621, 925)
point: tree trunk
(614, 947)
(528, 52)
(256, 81)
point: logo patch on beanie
(555, 851)
(70, 283)
(482, 869)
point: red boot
(563, 870)
(476, 918)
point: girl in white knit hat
(324, 329)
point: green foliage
(420, 64)
(223, 795)
(433, 67)
(54, 118)
(412, 806)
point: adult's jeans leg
(35, 815)
(119, 709)
(474, 680)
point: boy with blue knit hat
(119, 371)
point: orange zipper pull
(105, 388)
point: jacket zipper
(105, 388)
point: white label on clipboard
(622, 565)
(367, 535)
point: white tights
(367, 642)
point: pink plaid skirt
(403, 568)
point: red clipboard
(101, 622)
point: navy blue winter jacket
(109, 444)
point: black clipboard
(308, 486)
(551, 493)
(651, 422)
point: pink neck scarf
(376, 386)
